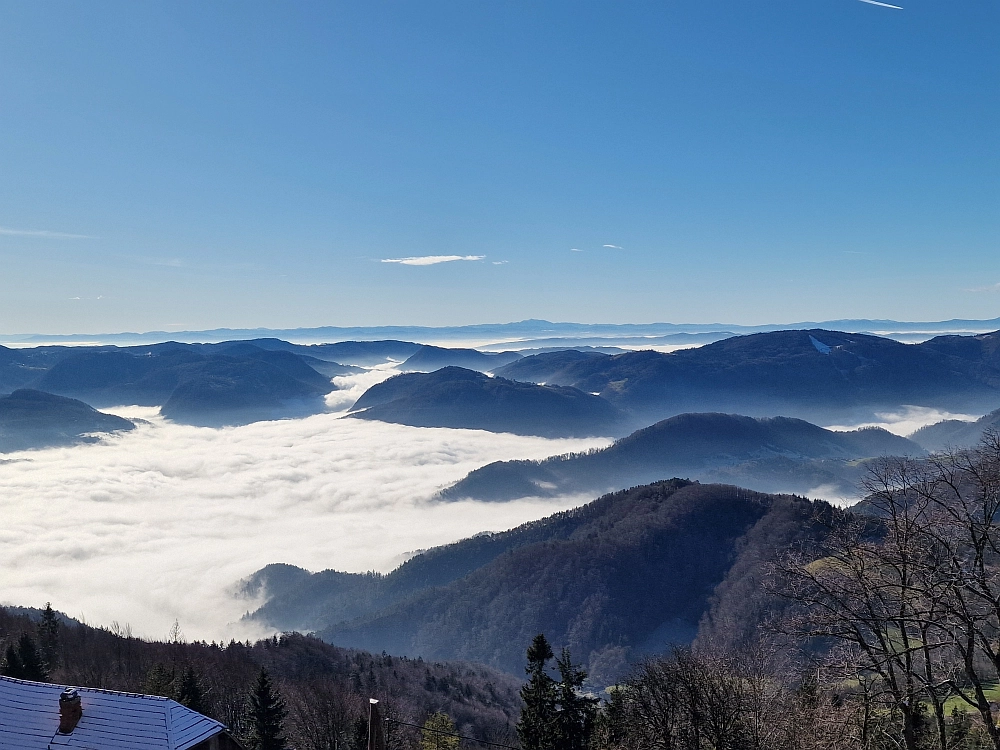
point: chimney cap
(69, 694)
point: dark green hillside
(33, 419)
(775, 454)
(814, 374)
(456, 397)
(625, 575)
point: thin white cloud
(884, 5)
(430, 260)
(44, 233)
(500, 262)
(990, 288)
(575, 250)
(615, 247)
(157, 523)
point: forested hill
(813, 374)
(456, 397)
(773, 454)
(628, 574)
(33, 419)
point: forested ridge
(626, 575)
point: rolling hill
(777, 454)
(456, 397)
(33, 419)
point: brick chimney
(70, 710)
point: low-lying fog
(906, 420)
(155, 525)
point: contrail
(884, 5)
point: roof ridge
(88, 689)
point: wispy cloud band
(45, 233)
(430, 260)
(884, 5)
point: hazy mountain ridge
(954, 433)
(460, 398)
(812, 374)
(431, 358)
(777, 454)
(530, 329)
(33, 419)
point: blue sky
(184, 165)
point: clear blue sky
(253, 163)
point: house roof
(29, 720)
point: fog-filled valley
(160, 516)
(158, 523)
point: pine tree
(267, 715)
(575, 716)
(12, 664)
(159, 681)
(537, 728)
(32, 666)
(189, 692)
(48, 637)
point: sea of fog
(156, 525)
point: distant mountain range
(456, 397)
(819, 375)
(32, 419)
(774, 454)
(526, 333)
(626, 575)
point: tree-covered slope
(624, 575)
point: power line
(450, 734)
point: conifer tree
(267, 715)
(159, 681)
(11, 666)
(48, 637)
(189, 692)
(537, 727)
(29, 660)
(575, 716)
